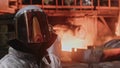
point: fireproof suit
(54, 55)
(33, 43)
(17, 59)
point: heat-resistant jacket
(18, 59)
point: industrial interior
(82, 25)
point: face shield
(35, 26)
(31, 27)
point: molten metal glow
(69, 41)
(69, 38)
(79, 34)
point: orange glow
(69, 38)
(70, 41)
(111, 52)
(117, 32)
(79, 34)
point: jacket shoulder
(10, 61)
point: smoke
(76, 33)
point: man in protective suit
(34, 41)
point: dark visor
(37, 27)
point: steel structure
(61, 8)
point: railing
(76, 4)
(62, 4)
